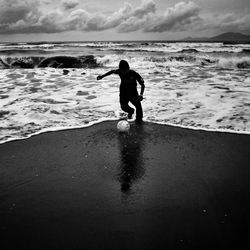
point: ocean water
(194, 85)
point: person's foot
(138, 120)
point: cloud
(125, 16)
(37, 16)
(131, 24)
(175, 18)
(14, 13)
(86, 21)
(14, 10)
(57, 21)
(70, 4)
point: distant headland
(228, 37)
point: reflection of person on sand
(131, 158)
(128, 89)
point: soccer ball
(123, 126)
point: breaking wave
(92, 61)
(230, 63)
(185, 60)
(147, 46)
(53, 62)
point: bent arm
(142, 87)
(106, 74)
(140, 80)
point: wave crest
(53, 62)
(229, 63)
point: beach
(176, 73)
(156, 187)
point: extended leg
(124, 105)
(139, 112)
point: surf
(53, 62)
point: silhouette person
(128, 89)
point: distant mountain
(230, 37)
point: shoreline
(116, 119)
(155, 187)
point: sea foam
(200, 90)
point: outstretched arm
(106, 74)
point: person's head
(123, 65)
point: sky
(98, 20)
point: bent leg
(124, 105)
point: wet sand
(158, 187)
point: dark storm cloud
(70, 4)
(33, 16)
(175, 18)
(16, 17)
(15, 14)
(13, 11)
(101, 22)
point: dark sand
(158, 187)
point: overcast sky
(81, 20)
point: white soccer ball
(123, 126)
